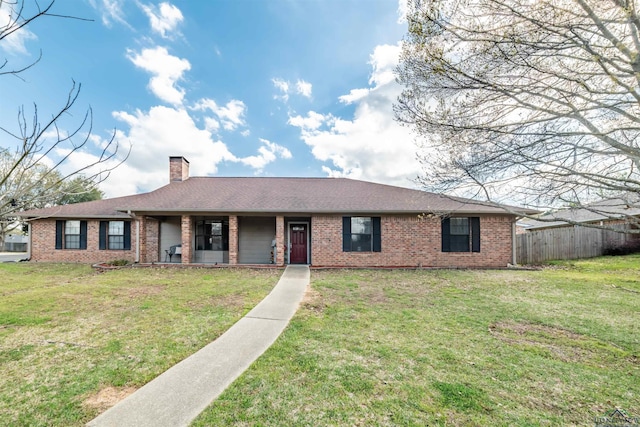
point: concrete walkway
(176, 397)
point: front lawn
(458, 348)
(73, 341)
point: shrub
(629, 247)
(117, 262)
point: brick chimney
(178, 169)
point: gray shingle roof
(273, 195)
(603, 210)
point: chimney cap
(178, 158)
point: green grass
(73, 339)
(450, 348)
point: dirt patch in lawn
(107, 397)
(553, 341)
(313, 301)
(142, 291)
(232, 301)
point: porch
(229, 240)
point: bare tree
(35, 165)
(534, 102)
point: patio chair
(173, 250)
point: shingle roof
(608, 209)
(274, 195)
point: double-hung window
(71, 234)
(461, 234)
(361, 234)
(115, 235)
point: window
(461, 234)
(361, 234)
(71, 234)
(115, 235)
(212, 235)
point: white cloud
(312, 122)
(384, 61)
(155, 136)
(371, 145)
(287, 88)
(231, 115)
(111, 11)
(166, 69)
(403, 8)
(304, 88)
(211, 124)
(163, 131)
(163, 18)
(283, 87)
(354, 96)
(281, 84)
(267, 153)
(13, 43)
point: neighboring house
(600, 228)
(324, 222)
(612, 213)
(15, 243)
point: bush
(117, 262)
(629, 247)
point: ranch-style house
(322, 222)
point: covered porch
(226, 239)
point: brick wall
(409, 241)
(43, 245)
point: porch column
(280, 240)
(142, 234)
(187, 230)
(152, 227)
(233, 239)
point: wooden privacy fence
(575, 242)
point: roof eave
(93, 216)
(317, 211)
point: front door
(298, 239)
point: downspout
(513, 242)
(137, 241)
(29, 243)
(133, 216)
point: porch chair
(173, 250)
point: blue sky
(240, 88)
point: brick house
(323, 222)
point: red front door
(298, 238)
